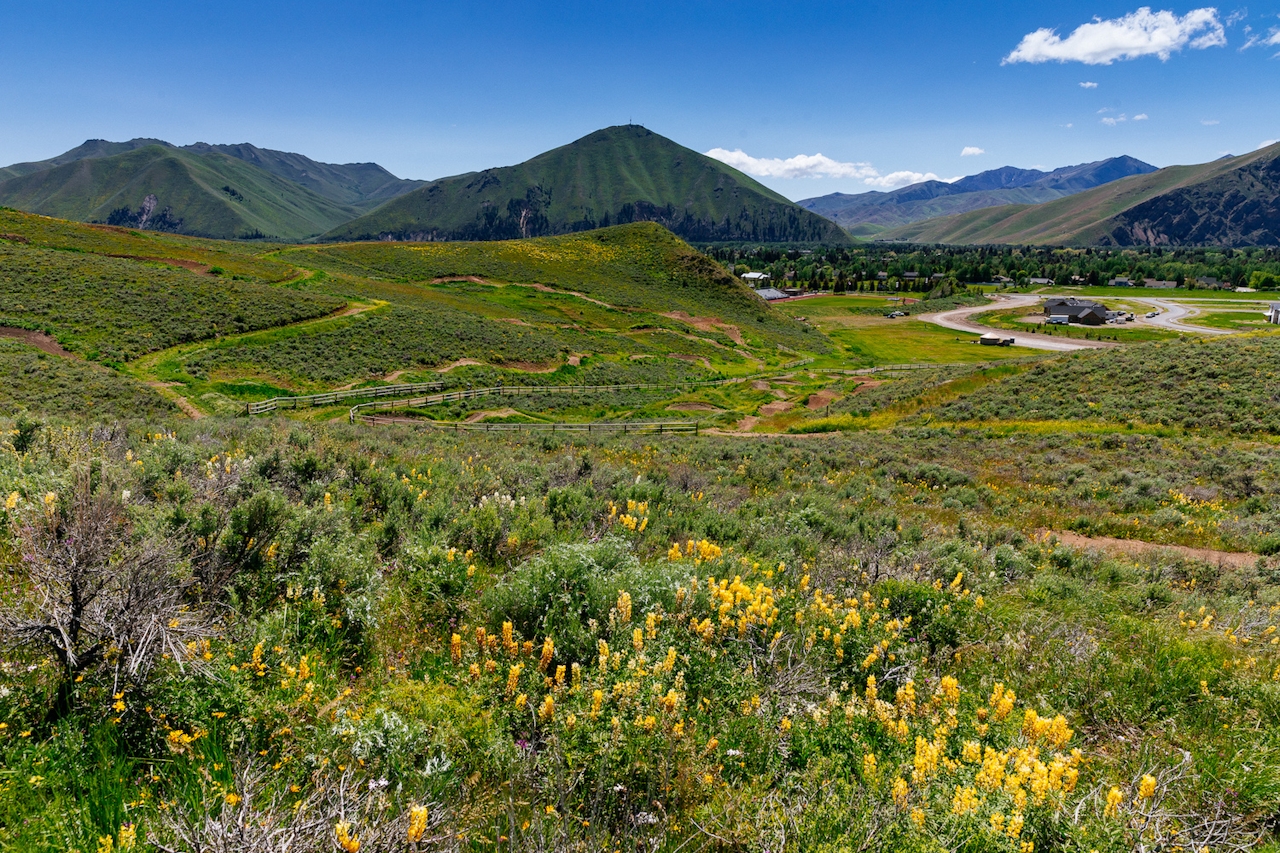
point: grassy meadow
(1011, 601)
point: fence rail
(515, 390)
(637, 428)
(330, 397)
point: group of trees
(859, 267)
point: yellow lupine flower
(417, 824)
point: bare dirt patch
(39, 340)
(474, 279)
(821, 400)
(748, 423)
(15, 238)
(760, 385)
(575, 360)
(695, 359)
(641, 357)
(707, 324)
(462, 362)
(867, 384)
(1135, 547)
(192, 266)
(476, 417)
(693, 407)
(770, 409)
(515, 321)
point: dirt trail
(1135, 547)
(707, 324)
(165, 390)
(476, 417)
(39, 340)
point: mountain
(616, 175)
(364, 185)
(91, 149)
(201, 189)
(871, 212)
(1228, 202)
(163, 188)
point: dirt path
(476, 417)
(1134, 547)
(707, 324)
(39, 340)
(165, 390)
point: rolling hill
(613, 176)
(869, 213)
(1234, 201)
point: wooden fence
(636, 428)
(330, 397)
(357, 411)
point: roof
(770, 293)
(1041, 280)
(755, 276)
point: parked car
(894, 314)
(1151, 314)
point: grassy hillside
(1223, 385)
(617, 175)
(630, 266)
(1089, 218)
(705, 644)
(209, 195)
(624, 296)
(232, 258)
(51, 386)
(116, 309)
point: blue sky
(885, 91)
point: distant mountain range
(616, 175)
(1233, 202)
(630, 174)
(867, 214)
(229, 191)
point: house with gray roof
(1081, 311)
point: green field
(1235, 320)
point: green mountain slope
(169, 189)
(363, 185)
(91, 149)
(613, 176)
(1227, 202)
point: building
(1040, 281)
(1120, 282)
(769, 294)
(1273, 313)
(1161, 285)
(937, 277)
(882, 276)
(910, 276)
(1080, 311)
(755, 277)
(1002, 279)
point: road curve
(958, 320)
(1172, 314)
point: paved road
(1171, 315)
(958, 319)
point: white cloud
(971, 151)
(799, 166)
(1138, 34)
(1267, 144)
(1087, 85)
(893, 180)
(1110, 121)
(1271, 39)
(1141, 117)
(820, 166)
(1209, 122)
